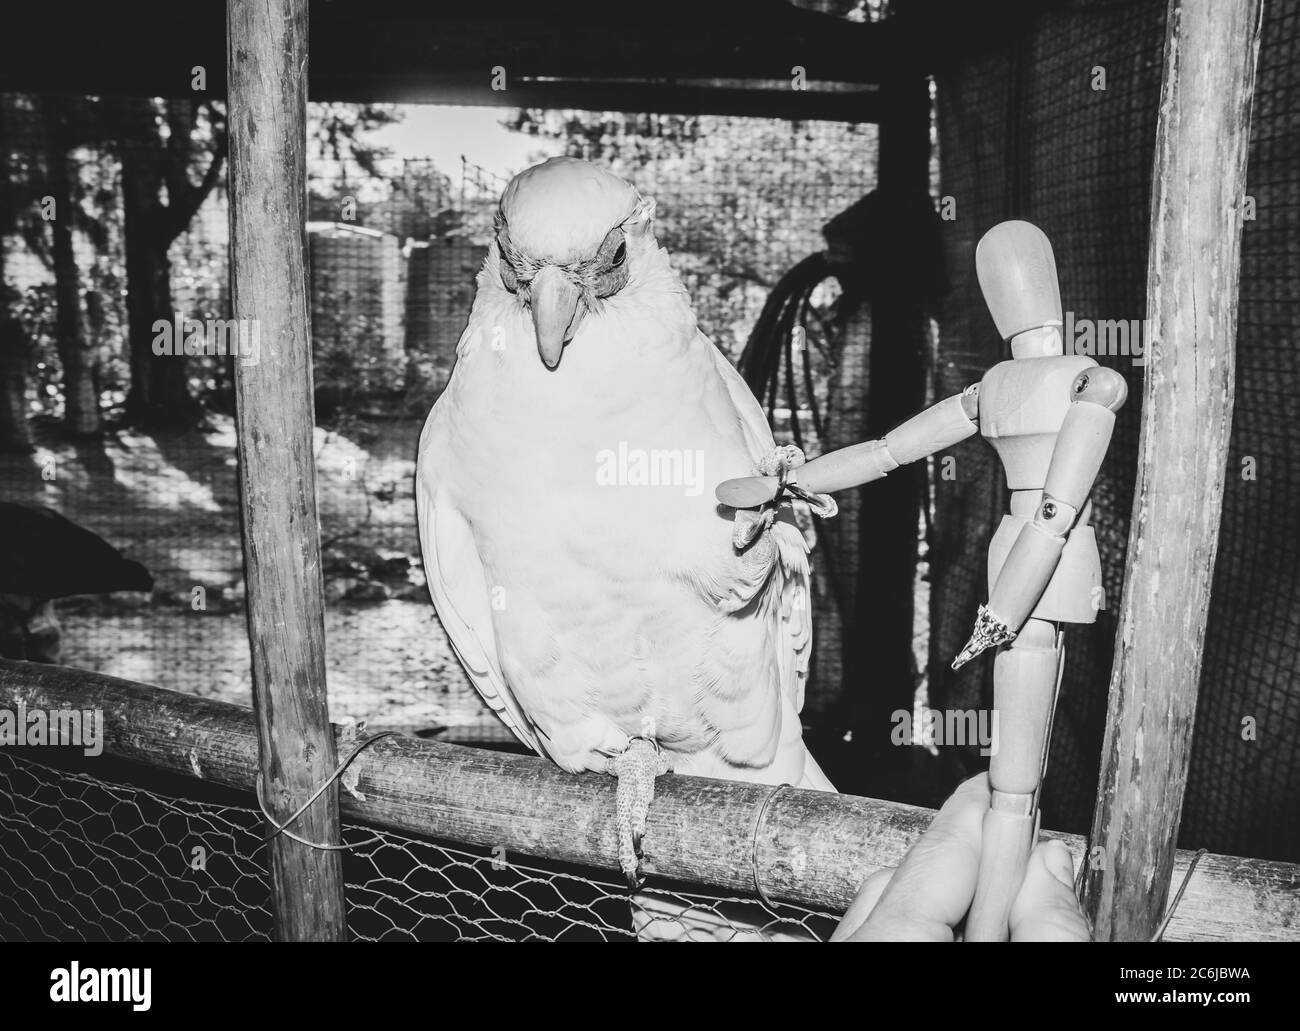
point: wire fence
(154, 833)
(84, 858)
(88, 859)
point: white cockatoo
(610, 612)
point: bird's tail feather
(662, 917)
(813, 777)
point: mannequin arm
(939, 426)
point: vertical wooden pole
(1192, 278)
(267, 66)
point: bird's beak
(557, 311)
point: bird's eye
(609, 265)
(509, 277)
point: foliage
(337, 135)
(201, 290)
(417, 204)
(739, 202)
(347, 364)
(342, 163)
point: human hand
(928, 894)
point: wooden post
(1194, 267)
(267, 66)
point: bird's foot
(781, 461)
(636, 768)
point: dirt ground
(171, 502)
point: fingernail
(1059, 862)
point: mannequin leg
(1026, 674)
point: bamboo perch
(813, 850)
(267, 66)
(1194, 268)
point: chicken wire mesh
(100, 858)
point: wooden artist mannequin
(1050, 417)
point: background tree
(76, 351)
(15, 434)
(347, 165)
(172, 153)
(63, 273)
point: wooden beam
(277, 469)
(380, 50)
(855, 105)
(814, 848)
(151, 48)
(1195, 262)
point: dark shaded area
(689, 57)
(48, 556)
(44, 556)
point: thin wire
(283, 828)
(1169, 914)
(753, 855)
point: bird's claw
(636, 768)
(783, 462)
(748, 525)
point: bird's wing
(758, 434)
(790, 581)
(463, 602)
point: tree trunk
(159, 394)
(15, 432)
(81, 412)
